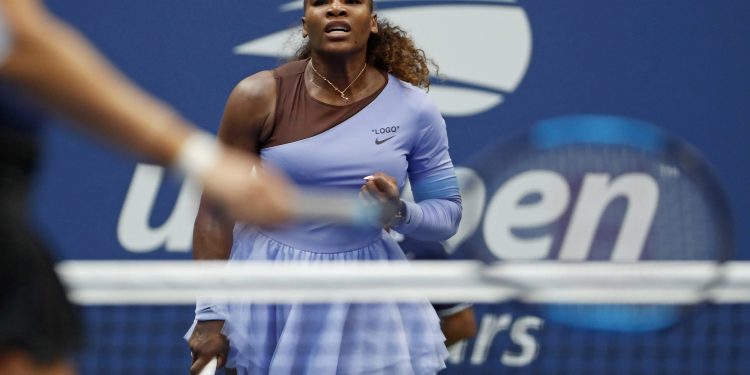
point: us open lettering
(134, 232)
(521, 332)
(506, 212)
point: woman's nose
(336, 9)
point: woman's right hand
(206, 343)
(382, 189)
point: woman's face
(338, 26)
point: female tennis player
(349, 112)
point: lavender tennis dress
(402, 134)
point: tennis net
(533, 318)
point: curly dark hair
(391, 50)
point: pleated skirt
(330, 339)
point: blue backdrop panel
(679, 66)
(512, 339)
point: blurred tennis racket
(335, 205)
(598, 188)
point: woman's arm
(457, 326)
(248, 111)
(437, 211)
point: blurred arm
(57, 65)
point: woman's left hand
(382, 189)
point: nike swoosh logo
(379, 142)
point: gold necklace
(341, 92)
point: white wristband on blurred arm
(198, 155)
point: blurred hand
(382, 189)
(206, 343)
(261, 198)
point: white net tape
(182, 282)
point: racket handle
(342, 207)
(210, 367)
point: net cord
(182, 282)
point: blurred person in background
(44, 61)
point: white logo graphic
(483, 50)
(133, 229)
(504, 213)
(496, 221)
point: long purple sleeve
(437, 211)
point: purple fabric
(402, 134)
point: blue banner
(610, 131)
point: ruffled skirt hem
(330, 339)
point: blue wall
(681, 66)
(678, 65)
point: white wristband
(198, 155)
